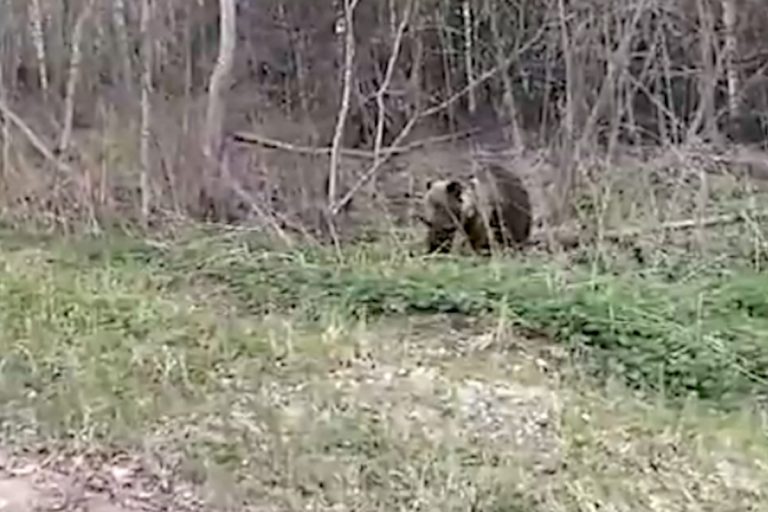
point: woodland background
(114, 111)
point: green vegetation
(259, 357)
(706, 336)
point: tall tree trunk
(515, 133)
(147, 50)
(73, 76)
(466, 10)
(118, 20)
(219, 82)
(348, 71)
(707, 79)
(731, 47)
(38, 37)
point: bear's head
(443, 202)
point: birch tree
(220, 79)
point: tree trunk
(146, 90)
(219, 81)
(118, 20)
(348, 72)
(73, 76)
(731, 47)
(38, 37)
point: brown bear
(494, 207)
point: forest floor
(217, 373)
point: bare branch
(730, 49)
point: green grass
(305, 373)
(705, 335)
(89, 304)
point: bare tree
(469, 68)
(119, 22)
(219, 81)
(707, 78)
(580, 70)
(147, 50)
(74, 75)
(566, 155)
(349, 58)
(38, 37)
(405, 18)
(6, 127)
(730, 48)
(493, 8)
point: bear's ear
(430, 183)
(453, 188)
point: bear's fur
(493, 208)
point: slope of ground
(217, 374)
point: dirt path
(88, 482)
